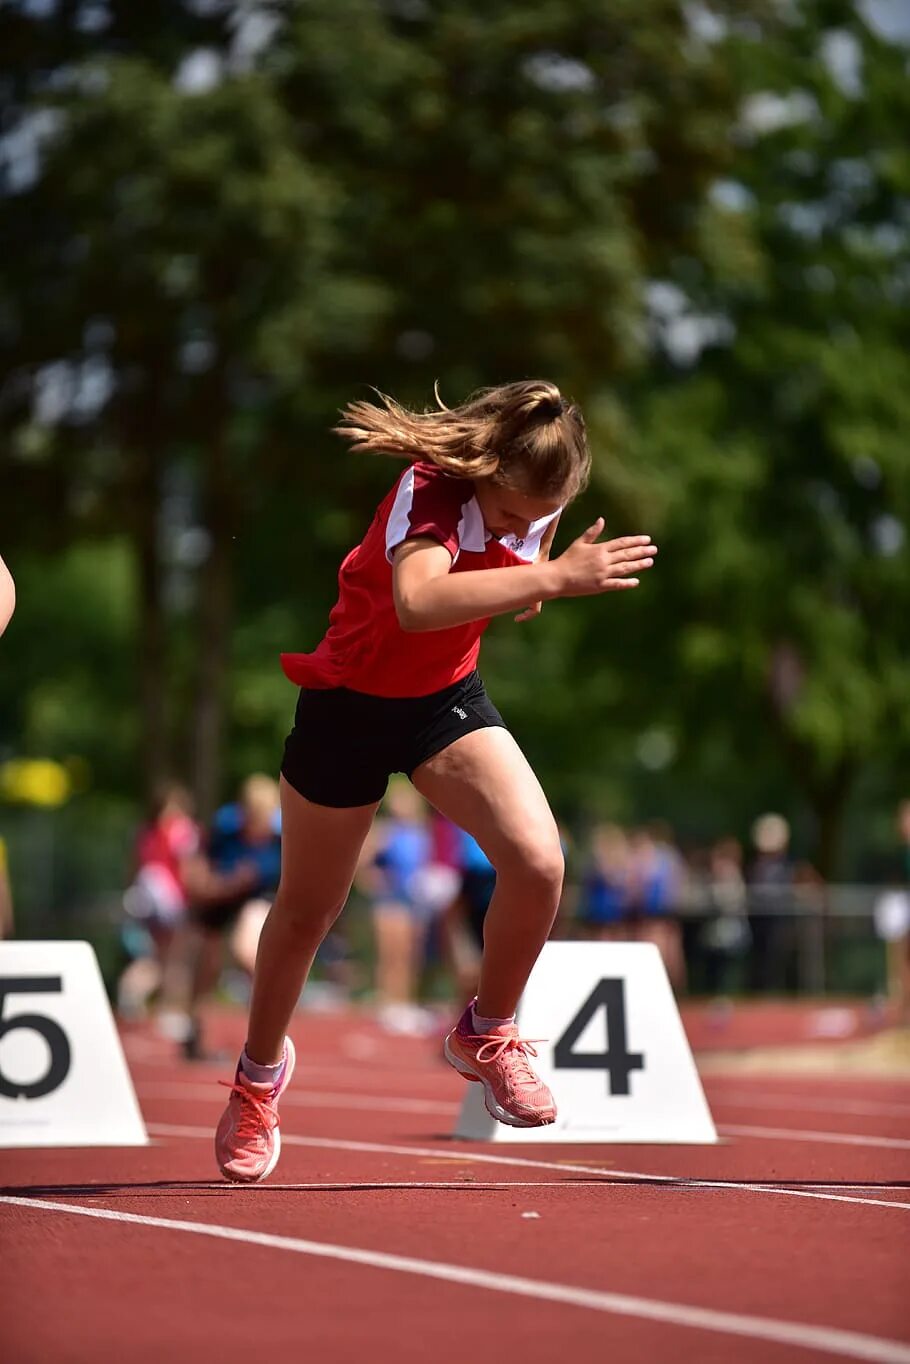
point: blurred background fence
(814, 940)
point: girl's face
(508, 512)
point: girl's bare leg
(484, 783)
(319, 851)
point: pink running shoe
(248, 1142)
(513, 1094)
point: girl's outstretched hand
(590, 565)
(530, 612)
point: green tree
(219, 244)
(779, 460)
(180, 275)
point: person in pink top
(156, 901)
(463, 535)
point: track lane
(727, 1248)
(774, 1337)
(753, 1159)
(767, 1253)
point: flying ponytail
(523, 435)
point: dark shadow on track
(170, 1187)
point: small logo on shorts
(463, 714)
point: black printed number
(50, 1030)
(616, 1060)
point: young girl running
(393, 687)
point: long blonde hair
(523, 435)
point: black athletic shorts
(346, 744)
(220, 916)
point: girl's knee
(301, 917)
(536, 863)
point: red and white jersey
(365, 648)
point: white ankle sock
(261, 1075)
(482, 1025)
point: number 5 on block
(63, 1076)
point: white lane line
(804, 1102)
(797, 1134)
(869, 1185)
(331, 1099)
(566, 1167)
(851, 1344)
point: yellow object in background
(35, 781)
(6, 895)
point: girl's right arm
(429, 597)
(7, 596)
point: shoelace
(519, 1049)
(254, 1113)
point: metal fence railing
(811, 939)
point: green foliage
(66, 687)
(784, 450)
(199, 274)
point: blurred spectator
(247, 835)
(156, 902)
(446, 841)
(464, 917)
(603, 901)
(725, 936)
(771, 878)
(656, 876)
(903, 832)
(892, 921)
(478, 882)
(407, 889)
(230, 890)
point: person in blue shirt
(248, 833)
(473, 880)
(656, 883)
(394, 877)
(243, 852)
(478, 881)
(604, 898)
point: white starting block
(63, 1076)
(616, 1057)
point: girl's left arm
(546, 541)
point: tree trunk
(152, 645)
(829, 799)
(214, 630)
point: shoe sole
(254, 1179)
(494, 1109)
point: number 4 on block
(616, 1060)
(611, 1047)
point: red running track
(380, 1238)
